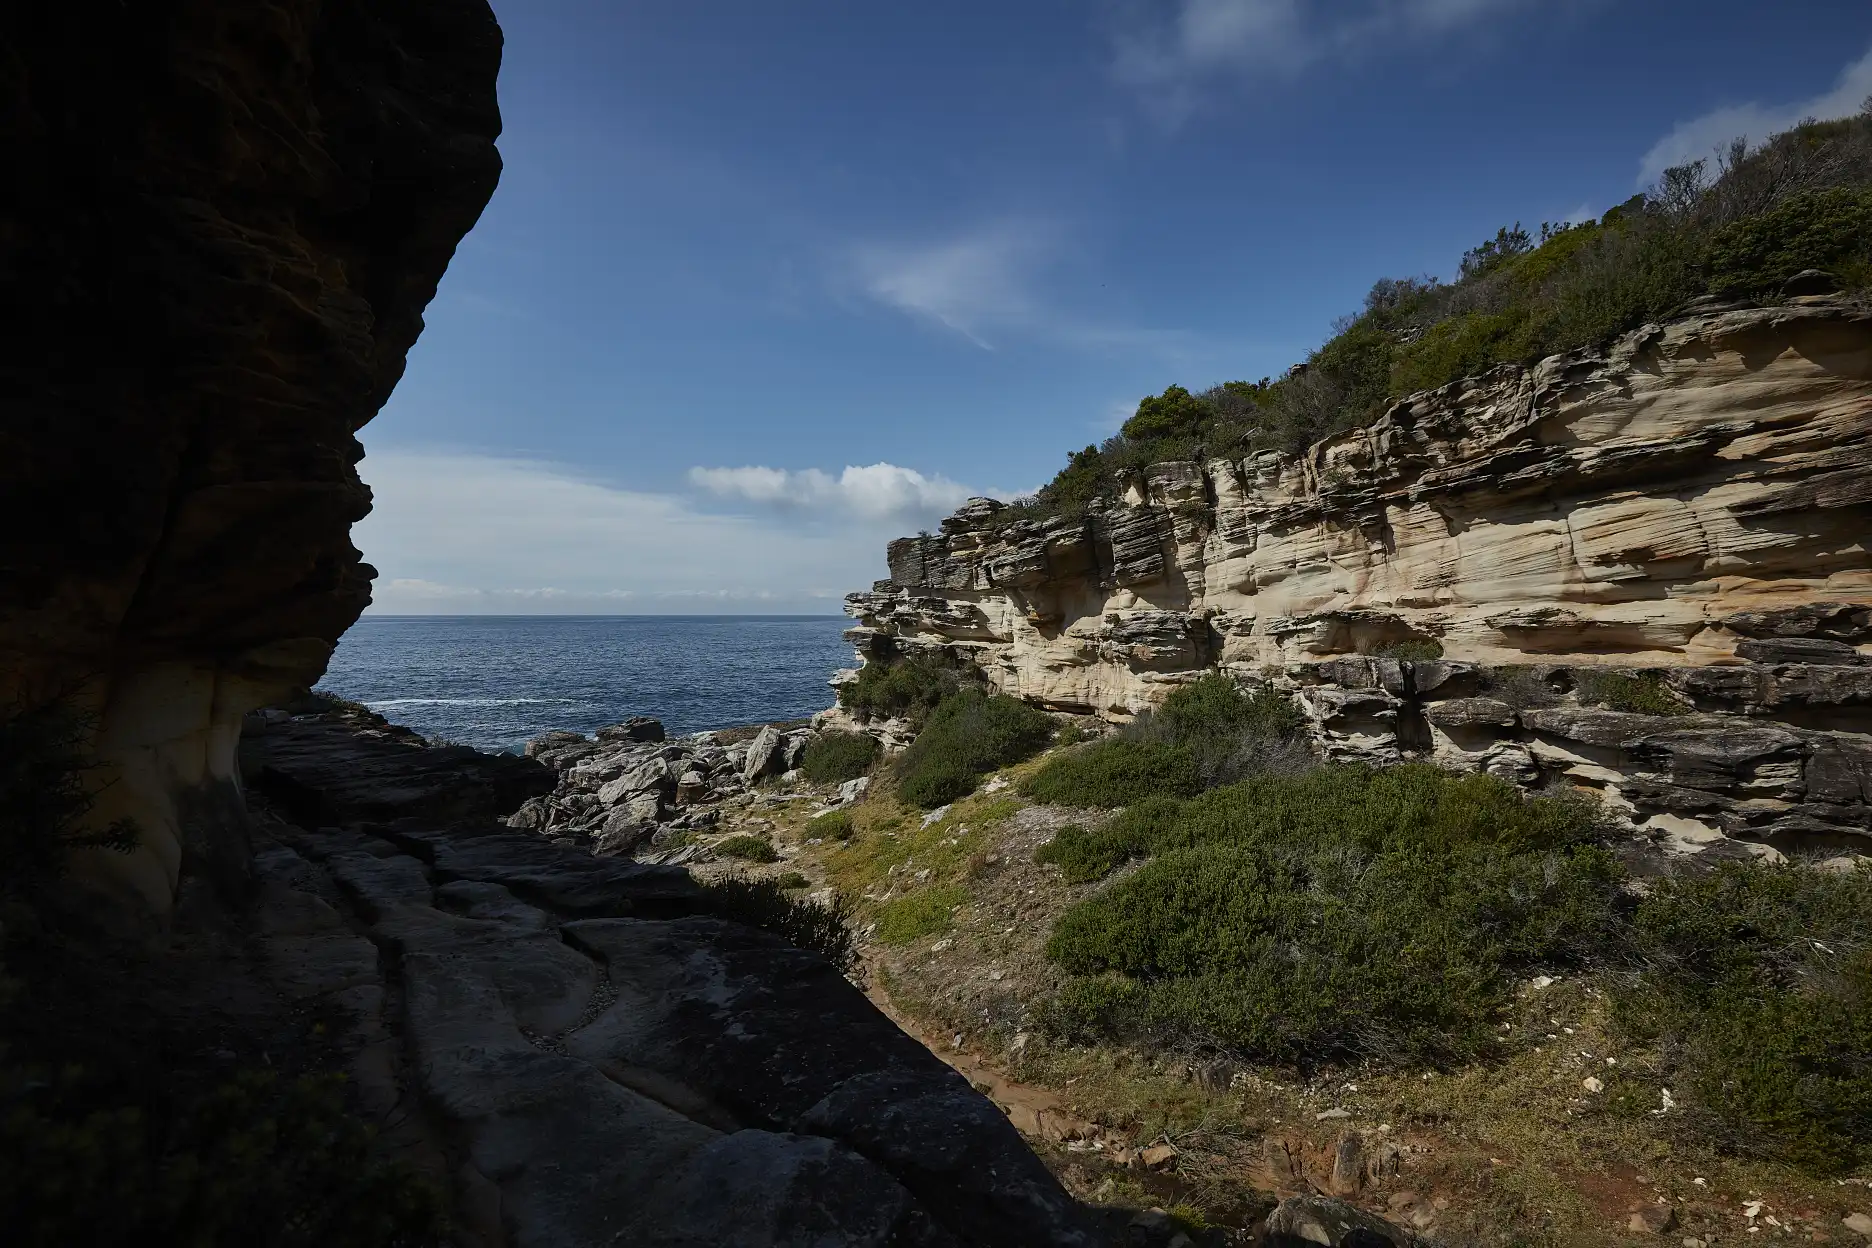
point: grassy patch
(970, 734)
(748, 848)
(791, 881)
(835, 757)
(837, 825)
(1641, 694)
(929, 912)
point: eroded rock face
(221, 225)
(1644, 504)
(1694, 499)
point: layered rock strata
(220, 225)
(604, 1059)
(1695, 498)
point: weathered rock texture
(219, 228)
(605, 1060)
(1696, 498)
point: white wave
(383, 702)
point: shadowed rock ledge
(220, 225)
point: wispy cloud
(973, 283)
(1170, 59)
(991, 283)
(874, 491)
(463, 532)
(1700, 136)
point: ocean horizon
(497, 681)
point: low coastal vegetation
(968, 735)
(907, 689)
(748, 848)
(1208, 732)
(1738, 227)
(835, 757)
(1227, 894)
(824, 927)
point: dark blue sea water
(495, 681)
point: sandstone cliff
(221, 225)
(1695, 498)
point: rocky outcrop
(606, 1058)
(631, 791)
(220, 226)
(1693, 499)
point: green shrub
(1207, 732)
(836, 825)
(1828, 230)
(258, 1160)
(835, 757)
(1801, 200)
(1342, 913)
(1641, 694)
(1413, 649)
(44, 797)
(926, 913)
(1755, 981)
(824, 929)
(907, 689)
(1115, 773)
(970, 734)
(1073, 732)
(748, 848)
(791, 881)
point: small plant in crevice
(1641, 693)
(824, 928)
(1414, 649)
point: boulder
(766, 755)
(1324, 1222)
(554, 740)
(636, 728)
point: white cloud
(972, 284)
(874, 491)
(987, 284)
(1700, 136)
(1169, 59)
(460, 532)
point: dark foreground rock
(612, 1063)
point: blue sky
(765, 285)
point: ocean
(494, 682)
